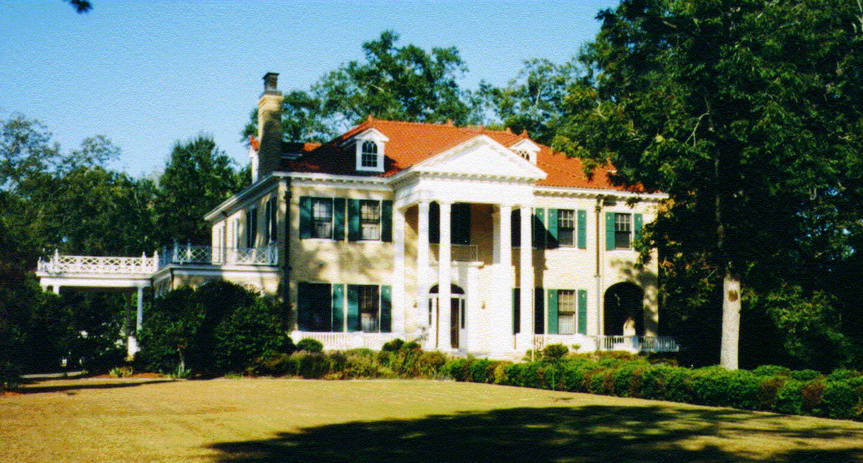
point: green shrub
(554, 352)
(677, 385)
(812, 398)
(768, 388)
(653, 381)
(311, 365)
(359, 363)
(10, 376)
(310, 345)
(458, 369)
(121, 372)
(272, 363)
(430, 364)
(338, 360)
(771, 370)
(626, 382)
(393, 345)
(841, 374)
(840, 399)
(411, 345)
(482, 371)
(805, 375)
(500, 372)
(248, 333)
(789, 399)
(743, 388)
(709, 385)
(574, 373)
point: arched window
(369, 155)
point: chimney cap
(271, 83)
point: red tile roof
(413, 142)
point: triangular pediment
(481, 156)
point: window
(314, 307)
(270, 232)
(369, 303)
(237, 242)
(251, 227)
(622, 231)
(566, 311)
(370, 220)
(369, 155)
(515, 226)
(322, 218)
(565, 227)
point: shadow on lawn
(584, 434)
(81, 384)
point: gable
(481, 156)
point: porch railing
(458, 253)
(345, 341)
(609, 343)
(190, 254)
(57, 264)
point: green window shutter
(339, 219)
(353, 308)
(386, 309)
(386, 221)
(460, 223)
(305, 217)
(551, 241)
(354, 220)
(582, 229)
(552, 311)
(538, 228)
(582, 311)
(638, 222)
(609, 231)
(516, 310)
(538, 311)
(338, 308)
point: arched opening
(624, 310)
(457, 314)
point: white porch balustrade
(346, 341)
(189, 254)
(459, 253)
(587, 343)
(98, 265)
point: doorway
(457, 314)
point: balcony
(97, 265)
(208, 255)
(458, 253)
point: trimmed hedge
(769, 388)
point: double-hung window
(369, 155)
(565, 227)
(369, 308)
(370, 220)
(322, 218)
(566, 311)
(622, 231)
(270, 232)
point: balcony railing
(58, 264)
(458, 253)
(208, 255)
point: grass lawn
(245, 420)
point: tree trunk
(728, 355)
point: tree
(747, 114)
(393, 82)
(80, 6)
(533, 101)
(196, 179)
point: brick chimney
(269, 126)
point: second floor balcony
(209, 255)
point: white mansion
(466, 239)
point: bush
(839, 399)
(412, 345)
(812, 396)
(768, 388)
(743, 389)
(310, 365)
(789, 399)
(10, 376)
(430, 364)
(121, 372)
(359, 363)
(771, 370)
(310, 345)
(393, 346)
(841, 374)
(272, 363)
(805, 375)
(248, 333)
(554, 352)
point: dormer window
(369, 155)
(369, 148)
(526, 149)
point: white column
(139, 315)
(526, 283)
(56, 289)
(501, 330)
(423, 264)
(444, 279)
(398, 303)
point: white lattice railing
(608, 343)
(189, 254)
(458, 253)
(98, 265)
(345, 341)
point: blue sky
(147, 74)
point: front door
(456, 318)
